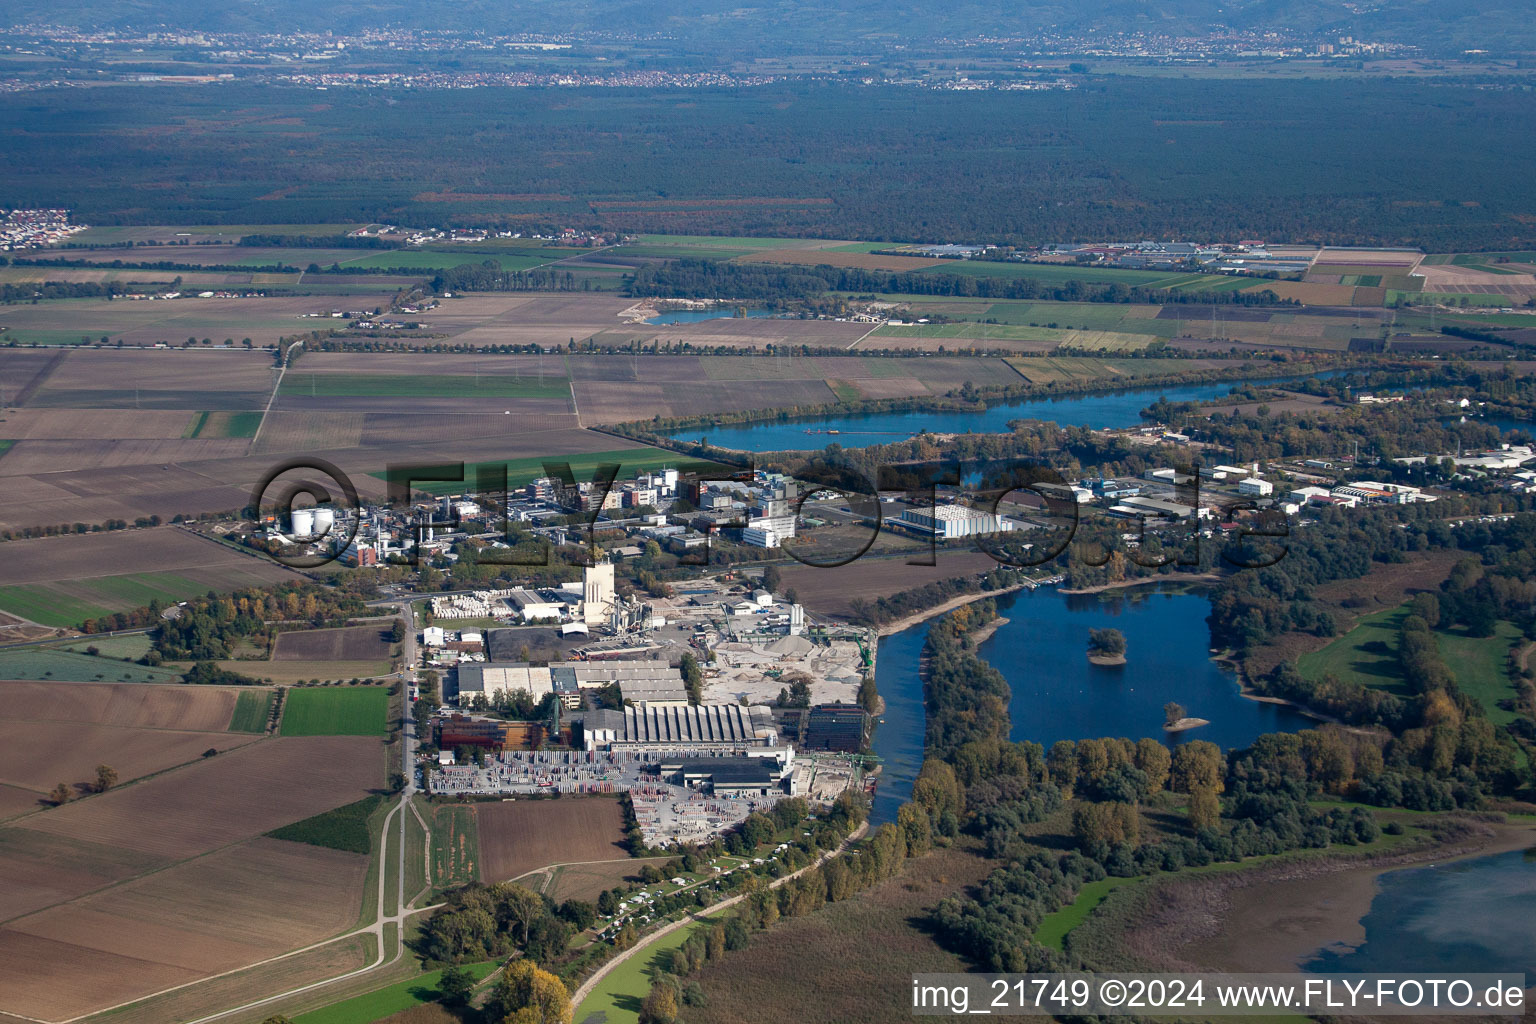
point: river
(1058, 695)
(1102, 409)
(1473, 916)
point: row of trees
(769, 283)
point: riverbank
(1226, 659)
(908, 621)
(1203, 577)
(983, 634)
(1272, 919)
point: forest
(1373, 162)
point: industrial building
(654, 682)
(949, 522)
(726, 776)
(459, 731)
(701, 729)
(839, 727)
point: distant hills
(1500, 26)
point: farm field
(455, 843)
(336, 711)
(58, 578)
(229, 798)
(518, 836)
(583, 465)
(59, 731)
(42, 663)
(831, 591)
(1066, 369)
(349, 643)
(253, 709)
(383, 1003)
(840, 258)
(73, 603)
(131, 645)
(333, 385)
(1050, 273)
(241, 987)
(236, 906)
(88, 883)
(224, 424)
(291, 673)
(263, 319)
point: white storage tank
(303, 520)
(325, 518)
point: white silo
(303, 520)
(325, 519)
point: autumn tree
(61, 794)
(661, 1003)
(106, 777)
(527, 994)
(1153, 759)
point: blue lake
(1058, 695)
(693, 316)
(1120, 408)
(1475, 915)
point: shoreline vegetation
(918, 617)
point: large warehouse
(695, 730)
(650, 682)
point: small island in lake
(1106, 647)
(1176, 720)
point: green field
(133, 645)
(1481, 667)
(722, 241)
(455, 844)
(1089, 316)
(1366, 655)
(344, 828)
(1058, 273)
(427, 259)
(223, 424)
(384, 385)
(336, 711)
(1054, 927)
(61, 604)
(385, 1002)
(42, 663)
(521, 471)
(619, 994)
(5, 445)
(252, 708)
(968, 329)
